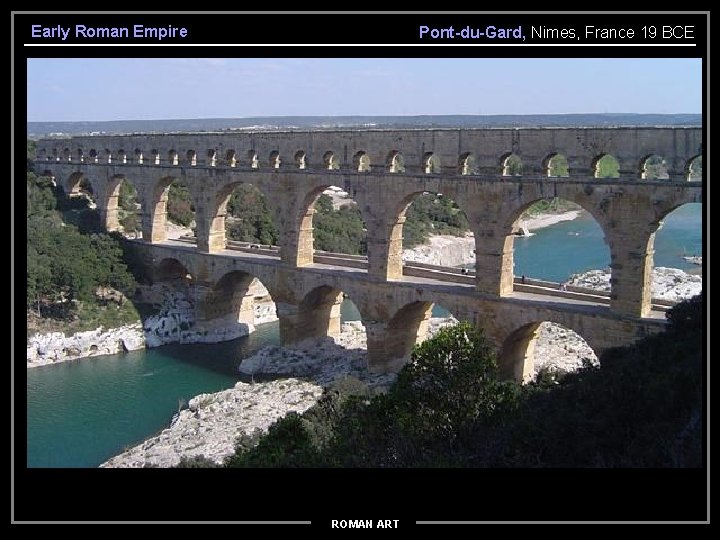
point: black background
(318, 494)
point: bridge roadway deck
(560, 302)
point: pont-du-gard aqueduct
(383, 171)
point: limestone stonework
(383, 171)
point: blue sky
(75, 89)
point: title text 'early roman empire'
(80, 31)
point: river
(82, 412)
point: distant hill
(43, 129)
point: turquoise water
(81, 413)
(569, 247)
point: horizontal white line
(359, 44)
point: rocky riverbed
(212, 422)
(667, 283)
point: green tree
(607, 167)
(179, 205)
(250, 219)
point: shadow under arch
(319, 313)
(542, 345)
(411, 325)
(238, 297)
(170, 269)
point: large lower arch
(542, 344)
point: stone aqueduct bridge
(384, 170)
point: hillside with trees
(76, 276)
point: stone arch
(211, 157)
(122, 209)
(42, 155)
(556, 166)
(139, 159)
(659, 228)
(653, 167)
(408, 326)
(173, 158)
(542, 344)
(230, 159)
(511, 164)
(467, 164)
(301, 159)
(171, 269)
(395, 162)
(158, 207)
(122, 157)
(220, 224)
(191, 157)
(330, 161)
(253, 160)
(108, 155)
(75, 184)
(605, 166)
(693, 169)
(319, 314)
(67, 155)
(514, 226)
(93, 155)
(431, 163)
(55, 154)
(305, 235)
(274, 160)
(80, 155)
(426, 199)
(155, 156)
(238, 297)
(361, 162)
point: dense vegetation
(75, 273)
(249, 218)
(643, 408)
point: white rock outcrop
(667, 283)
(212, 422)
(43, 349)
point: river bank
(174, 322)
(54, 347)
(211, 424)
